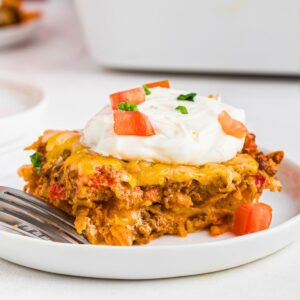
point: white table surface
(58, 62)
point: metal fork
(24, 214)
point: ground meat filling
(111, 211)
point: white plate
(168, 256)
(21, 109)
(15, 34)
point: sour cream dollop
(195, 138)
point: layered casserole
(154, 162)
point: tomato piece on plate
(231, 126)
(251, 218)
(163, 84)
(132, 123)
(136, 96)
(2, 187)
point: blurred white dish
(21, 108)
(167, 256)
(194, 36)
(15, 34)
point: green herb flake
(147, 91)
(127, 106)
(36, 160)
(182, 109)
(187, 97)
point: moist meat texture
(119, 202)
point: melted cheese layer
(141, 173)
(195, 138)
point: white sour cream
(195, 138)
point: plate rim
(233, 240)
(39, 94)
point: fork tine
(9, 224)
(5, 227)
(43, 215)
(38, 203)
(40, 216)
(34, 225)
(38, 210)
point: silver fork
(24, 214)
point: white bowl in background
(194, 36)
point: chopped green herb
(182, 109)
(36, 160)
(187, 97)
(127, 106)
(147, 91)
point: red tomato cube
(163, 84)
(136, 96)
(251, 218)
(231, 126)
(132, 123)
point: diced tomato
(102, 178)
(136, 96)
(231, 126)
(132, 123)
(259, 182)
(251, 218)
(56, 191)
(2, 188)
(163, 84)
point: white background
(58, 62)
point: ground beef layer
(119, 202)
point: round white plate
(21, 109)
(167, 256)
(18, 33)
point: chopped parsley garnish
(182, 109)
(187, 97)
(127, 106)
(36, 160)
(147, 91)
